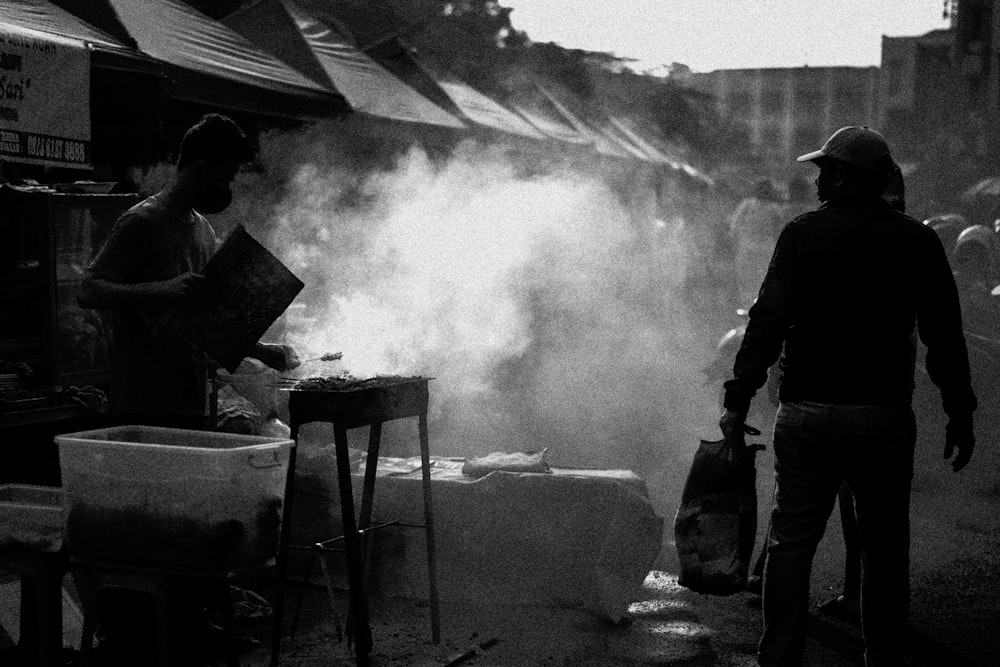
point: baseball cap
(856, 144)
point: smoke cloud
(546, 303)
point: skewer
(329, 356)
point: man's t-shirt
(154, 374)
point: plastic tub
(155, 496)
(31, 517)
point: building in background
(780, 113)
(940, 108)
(920, 91)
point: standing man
(151, 261)
(848, 286)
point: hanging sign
(44, 98)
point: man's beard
(213, 199)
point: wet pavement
(670, 626)
(667, 625)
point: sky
(727, 34)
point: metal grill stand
(353, 408)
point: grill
(352, 403)
(355, 403)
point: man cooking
(150, 262)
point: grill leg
(331, 596)
(368, 490)
(352, 544)
(297, 614)
(425, 460)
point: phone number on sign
(57, 149)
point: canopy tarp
(326, 54)
(655, 154)
(659, 155)
(374, 28)
(214, 65)
(46, 17)
(548, 124)
(474, 105)
(622, 141)
(602, 144)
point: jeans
(816, 448)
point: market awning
(46, 17)
(622, 141)
(324, 53)
(214, 65)
(373, 28)
(548, 124)
(479, 108)
(602, 144)
(657, 154)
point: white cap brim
(809, 157)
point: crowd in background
(742, 239)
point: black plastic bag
(716, 523)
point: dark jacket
(846, 288)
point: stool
(41, 601)
(346, 409)
(160, 584)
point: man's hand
(190, 287)
(959, 435)
(278, 357)
(731, 422)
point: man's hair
(214, 137)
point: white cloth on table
(573, 538)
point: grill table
(369, 405)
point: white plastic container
(170, 497)
(31, 517)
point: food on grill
(348, 382)
(329, 356)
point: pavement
(956, 607)
(669, 626)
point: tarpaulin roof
(621, 140)
(374, 27)
(46, 17)
(602, 143)
(215, 65)
(321, 51)
(657, 154)
(551, 127)
(654, 153)
(480, 108)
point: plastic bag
(716, 523)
